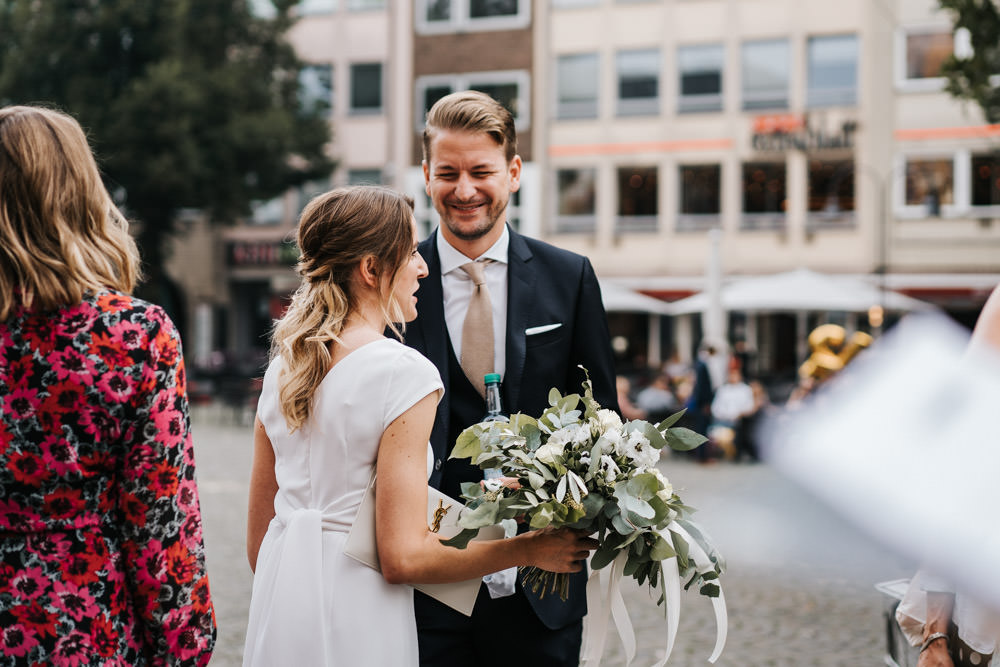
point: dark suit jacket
(545, 285)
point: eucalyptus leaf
(684, 439)
(661, 549)
(671, 420)
(603, 556)
(561, 489)
(710, 590)
(535, 480)
(468, 444)
(542, 516)
(554, 396)
(462, 539)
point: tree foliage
(187, 103)
(969, 77)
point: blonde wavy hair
(60, 233)
(337, 231)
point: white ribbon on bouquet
(605, 602)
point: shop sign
(785, 132)
(261, 253)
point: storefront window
(637, 199)
(831, 191)
(700, 196)
(576, 211)
(764, 195)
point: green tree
(188, 103)
(969, 75)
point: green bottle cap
(491, 377)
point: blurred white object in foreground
(906, 443)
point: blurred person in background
(657, 400)
(629, 409)
(101, 552)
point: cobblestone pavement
(799, 588)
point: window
(360, 5)
(316, 90)
(929, 184)
(926, 52)
(577, 79)
(832, 71)
(831, 191)
(559, 4)
(638, 82)
(364, 176)
(700, 196)
(765, 74)
(510, 88)
(985, 180)
(763, 195)
(700, 77)
(439, 16)
(575, 208)
(306, 7)
(638, 204)
(366, 88)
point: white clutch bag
(442, 513)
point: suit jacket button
(437, 464)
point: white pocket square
(542, 329)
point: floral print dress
(101, 552)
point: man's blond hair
(471, 111)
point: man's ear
(514, 169)
(427, 177)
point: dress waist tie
(292, 568)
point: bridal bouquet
(580, 466)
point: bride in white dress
(339, 396)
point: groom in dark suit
(544, 319)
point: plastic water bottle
(494, 412)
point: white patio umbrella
(800, 290)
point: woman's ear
(368, 270)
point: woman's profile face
(408, 280)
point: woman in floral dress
(101, 552)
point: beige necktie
(477, 332)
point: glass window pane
(929, 183)
(438, 10)
(433, 93)
(316, 89)
(832, 70)
(479, 9)
(365, 4)
(700, 189)
(765, 74)
(926, 53)
(576, 191)
(638, 81)
(764, 187)
(831, 186)
(700, 77)
(637, 191)
(507, 94)
(577, 85)
(985, 180)
(366, 87)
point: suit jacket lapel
(433, 333)
(520, 308)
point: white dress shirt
(457, 286)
